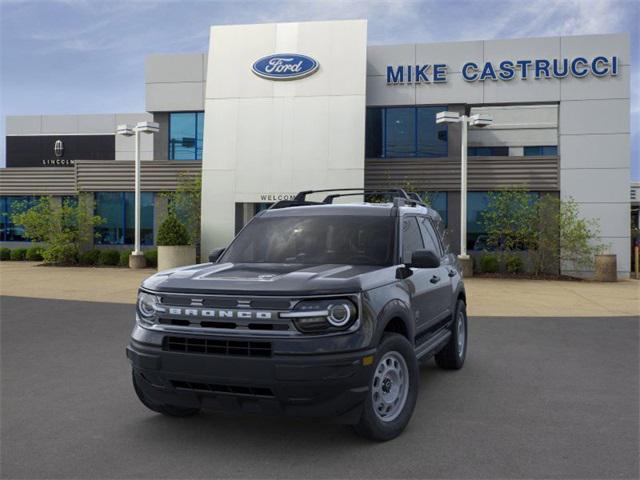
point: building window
(9, 232)
(477, 204)
(117, 209)
(438, 201)
(185, 135)
(405, 132)
(541, 151)
(488, 151)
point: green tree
(509, 219)
(564, 237)
(184, 203)
(63, 227)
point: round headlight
(339, 314)
(147, 304)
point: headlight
(311, 316)
(147, 306)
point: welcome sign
(506, 70)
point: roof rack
(400, 197)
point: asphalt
(537, 398)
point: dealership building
(272, 109)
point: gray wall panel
(174, 68)
(23, 125)
(57, 124)
(118, 176)
(485, 173)
(38, 181)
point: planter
(176, 256)
(606, 268)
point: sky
(87, 56)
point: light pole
(477, 120)
(136, 259)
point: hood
(270, 279)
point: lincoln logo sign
(285, 66)
(505, 70)
(58, 148)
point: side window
(431, 241)
(411, 238)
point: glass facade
(439, 202)
(9, 232)
(541, 151)
(405, 132)
(185, 135)
(477, 203)
(488, 151)
(117, 209)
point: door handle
(435, 279)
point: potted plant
(174, 249)
(606, 265)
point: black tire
(371, 426)
(452, 356)
(169, 410)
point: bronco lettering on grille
(215, 313)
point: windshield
(315, 240)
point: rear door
(419, 284)
(440, 279)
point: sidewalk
(486, 297)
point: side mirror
(215, 254)
(424, 259)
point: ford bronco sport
(314, 308)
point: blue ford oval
(285, 66)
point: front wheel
(393, 390)
(452, 356)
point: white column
(463, 190)
(136, 250)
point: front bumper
(321, 385)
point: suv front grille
(214, 388)
(217, 347)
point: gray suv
(315, 308)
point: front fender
(392, 310)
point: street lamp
(136, 259)
(477, 120)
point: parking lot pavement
(538, 397)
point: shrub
(109, 257)
(151, 256)
(34, 254)
(5, 254)
(185, 204)
(124, 258)
(513, 263)
(61, 254)
(18, 254)
(172, 232)
(489, 263)
(90, 257)
(64, 227)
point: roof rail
(399, 196)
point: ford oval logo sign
(285, 66)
